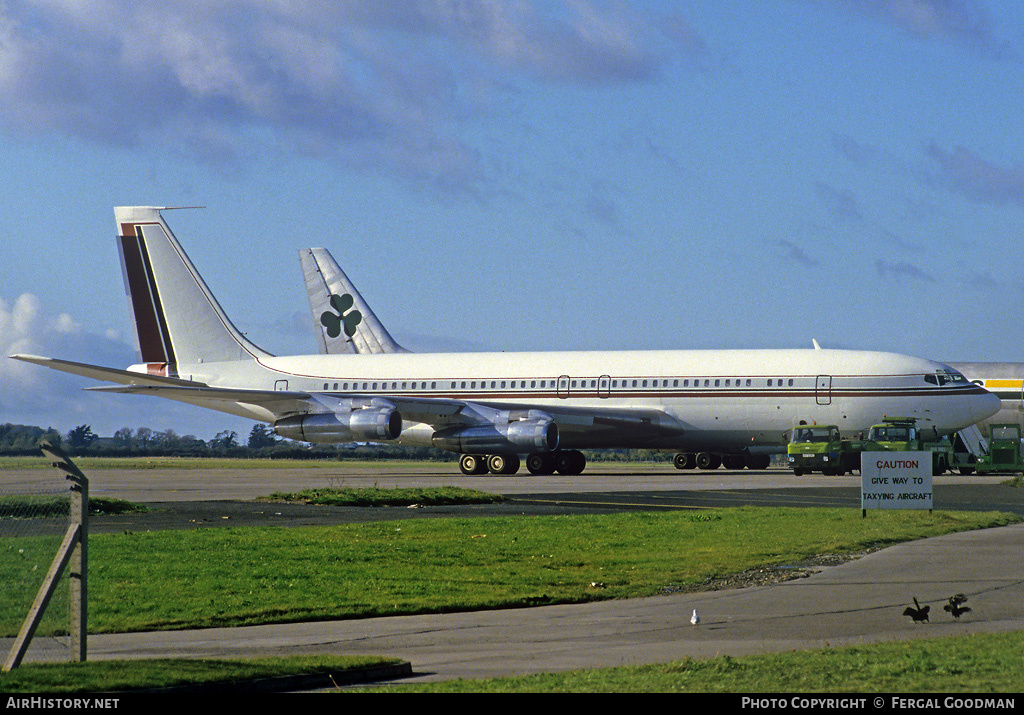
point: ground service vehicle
(1003, 451)
(820, 448)
(900, 434)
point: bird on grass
(955, 606)
(919, 613)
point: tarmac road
(857, 602)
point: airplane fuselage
(724, 400)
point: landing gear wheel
(473, 464)
(541, 463)
(706, 460)
(734, 461)
(759, 461)
(684, 460)
(570, 463)
(503, 463)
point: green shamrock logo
(333, 322)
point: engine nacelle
(533, 435)
(528, 435)
(370, 424)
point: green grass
(980, 663)
(243, 576)
(977, 663)
(210, 577)
(373, 496)
(53, 505)
(113, 676)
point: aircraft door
(281, 386)
(563, 386)
(604, 386)
(823, 390)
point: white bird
(694, 619)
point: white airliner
(324, 280)
(710, 406)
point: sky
(521, 175)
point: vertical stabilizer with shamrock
(343, 321)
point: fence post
(73, 552)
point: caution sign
(896, 480)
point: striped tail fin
(178, 321)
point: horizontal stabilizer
(110, 374)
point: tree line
(262, 443)
(18, 439)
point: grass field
(243, 576)
(374, 496)
(237, 576)
(113, 676)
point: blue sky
(515, 175)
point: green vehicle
(1003, 451)
(900, 434)
(820, 448)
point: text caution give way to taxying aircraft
(710, 406)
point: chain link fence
(34, 515)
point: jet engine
(530, 431)
(371, 424)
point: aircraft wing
(286, 403)
(438, 412)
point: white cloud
(380, 86)
(29, 392)
(34, 395)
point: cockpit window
(946, 377)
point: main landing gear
(709, 460)
(569, 462)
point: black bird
(955, 606)
(919, 613)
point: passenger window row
(574, 384)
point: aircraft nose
(986, 404)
